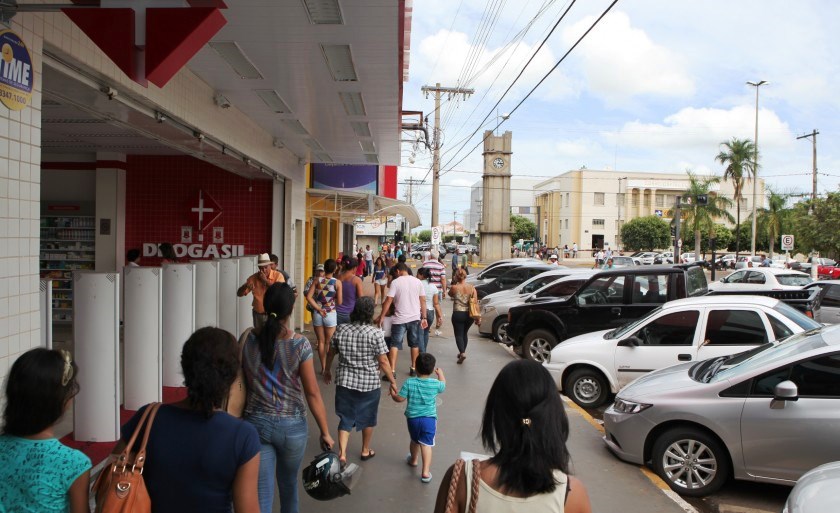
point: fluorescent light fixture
(323, 12)
(294, 125)
(367, 146)
(273, 100)
(313, 145)
(323, 157)
(360, 128)
(233, 55)
(340, 62)
(353, 103)
(373, 159)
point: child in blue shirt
(421, 411)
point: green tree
(772, 219)
(522, 228)
(738, 156)
(723, 238)
(699, 218)
(645, 233)
(424, 235)
(817, 229)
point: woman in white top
(433, 311)
(525, 428)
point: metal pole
(755, 168)
(677, 216)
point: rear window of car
(795, 280)
(696, 284)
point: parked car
(608, 300)
(816, 491)
(769, 414)
(623, 261)
(725, 262)
(830, 305)
(687, 258)
(664, 258)
(824, 266)
(647, 258)
(588, 368)
(513, 277)
(492, 272)
(494, 308)
(747, 261)
(762, 278)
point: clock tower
(495, 208)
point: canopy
(348, 206)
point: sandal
(408, 461)
(461, 358)
(370, 455)
(426, 479)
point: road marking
(652, 477)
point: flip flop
(370, 455)
(342, 462)
(426, 479)
(408, 461)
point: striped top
(276, 390)
(421, 394)
(436, 270)
(325, 293)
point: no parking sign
(787, 242)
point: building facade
(588, 207)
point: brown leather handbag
(121, 488)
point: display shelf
(67, 245)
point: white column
(96, 332)
(45, 300)
(206, 293)
(228, 284)
(244, 318)
(110, 213)
(178, 318)
(143, 336)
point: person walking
(280, 375)
(361, 268)
(380, 281)
(368, 260)
(323, 296)
(256, 285)
(437, 271)
(574, 250)
(408, 295)
(351, 289)
(37, 472)
(362, 353)
(525, 428)
(433, 313)
(460, 291)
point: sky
(656, 86)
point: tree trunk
(696, 245)
(772, 240)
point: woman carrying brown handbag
(461, 293)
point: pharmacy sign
(15, 71)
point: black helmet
(324, 479)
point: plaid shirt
(358, 347)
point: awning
(349, 206)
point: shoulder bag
(475, 311)
(237, 398)
(472, 498)
(121, 488)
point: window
(598, 222)
(660, 200)
(675, 329)
(756, 278)
(819, 377)
(567, 199)
(650, 289)
(599, 198)
(567, 224)
(735, 328)
(609, 289)
(537, 284)
(619, 199)
(646, 199)
(562, 289)
(634, 200)
(780, 330)
(737, 277)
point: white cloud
(461, 182)
(577, 148)
(621, 61)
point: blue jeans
(424, 336)
(283, 442)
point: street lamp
(755, 165)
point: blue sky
(656, 86)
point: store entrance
(597, 242)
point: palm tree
(772, 217)
(699, 218)
(738, 156)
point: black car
(514, 277)
(607, 300)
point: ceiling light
(313, 144)
(273, 100)
(323, 12)
(360, 128)
(367, 146)
(373, 159)
(294, 125)
(221, 101)
(233, 55)
(340, 62)
(353, 103)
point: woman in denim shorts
(323, 296)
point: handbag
(475, 312)
(472, 498)
(121, 489)
(237, 397)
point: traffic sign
(436, 235)
(787, 242)
(658, 213)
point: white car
(647, 258)
(484, 276)
(762, 278)
(687, 258)
(494, 308)
(588, 368)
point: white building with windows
(522, 201)
(588, 207)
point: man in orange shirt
(257, 284)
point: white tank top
(491, 501)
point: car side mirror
(633, 341)
(786, 391)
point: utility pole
(814, 171)
(450, 92)
(677, 219)
(411, 182)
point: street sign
(787, 242)
(658, 213)
(436, 234)
(679, 243)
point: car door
(732, 330)
(668, 339)
(600, 306)
(785, 439)
(734, 281)
(830, 305)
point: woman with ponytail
(525, 428)
(280, 375)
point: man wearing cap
(257, 284)
(552, 260)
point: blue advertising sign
(15, 71)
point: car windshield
(796, 280)
(769, 353)
(630, 327)
(801, 320)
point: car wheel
(587, 387)
(538, 344)
(691, 461)
(500, 329)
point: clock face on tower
(498, 162)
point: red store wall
(161, 190)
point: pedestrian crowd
(242, 428)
